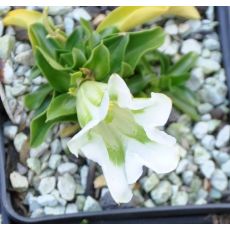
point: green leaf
(99, 62)
(126, 69)
(78, 58)
(39, 128)
(141, 42)
(76, 39)
(35, 72)
(60, 106)
(117, 46)
(183, 65)
(164, 61)
(59, 80)
(38, 38)
(34, 100)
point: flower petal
(159, 158)
(151, 112)
(114, 175)
(119, 91)
(160, 137)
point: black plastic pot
(176, 214)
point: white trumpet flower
(121, 133)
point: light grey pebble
(40, 150)
(194, 25)
(80, 202)
(69, 25)
(216, 56)
(207, 168)
(200, 129)
(174, 179)
(60, 200)
(79, 13)
(8, 72)
(213, 125)
(34, 164)
(47, 185)
(33, 203)
(57, 210)
(226, 167)
(196, 80)
(210, 13)
(220, 157)
(10, 131)
(19, 89)
(187, 177)
(46, 173)
(172, 50)
(201, 201)
(22, 169)
(191, 45)
(91, 205)
(67, 167)
(37, 213)
(19, 141)
(208, 142)
(18, 182)
(219, 180)
(80, 189)
(171, 27)
(150, 182)
(201, 155)
(183, 29)
(6, 46)
(181, 198)
(205, 108)
(25, 58)
(54, 161)
(71, 208)
(209, 66)
(56, 147)
(84, 173)
(67, 187)
(149, 203)
(22, 47)
(206, 53)
(223, 137)
(183, 164)
(162, 192)
(211, 44)
(215, 194)
(59, 10)
(206, 117)
(47, 200)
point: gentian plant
(91, 76)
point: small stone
(58, 210)
(205, 108)
(8, 73)
(67, 167)
(223, 136)
(6, 46)
(201, 201)
(182, 166)
(21, 169)
(25, 58)
(67, 187)
(34, 164)
(68, 25)
(209, 66)
(200, 129)
(210, 13)
(60, 200)
(98, 19)
(59, 10)
(213, 125)
(19, 182)
(216, 56)
(19, 89)
(56, 147)
(200, 154)
(172, 50)
(190, 45)
(211, 44)
(208, 168)
(37, 152)
(47, 185)
(91, 205)
(10, 131)
(171, 28)
(220, 157)
(37, 213)
(149, 203)
(80, 202)
(99, 182)
(54, 161)
(187, 177)
(84, 173)
(196, 80)
(194, 25)
(208, 142)
(174, 179)
(151, 182)
(19, 141)
(79, 189)
(22, 47)
(215, 194)
(219, 180)
(162, 192)
(181, 198)
(79, 13)
(71, 208)
(183, 29)
(33, 203)
(226, 168)
(206, 53)
(47, 200)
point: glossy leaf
(22, 18)
(34, 100)
(184, 64)
(99, 62)
(60, 106)
(127, 17)
(141, 42)
(59, 80)
(39, 128)
(76, 39)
